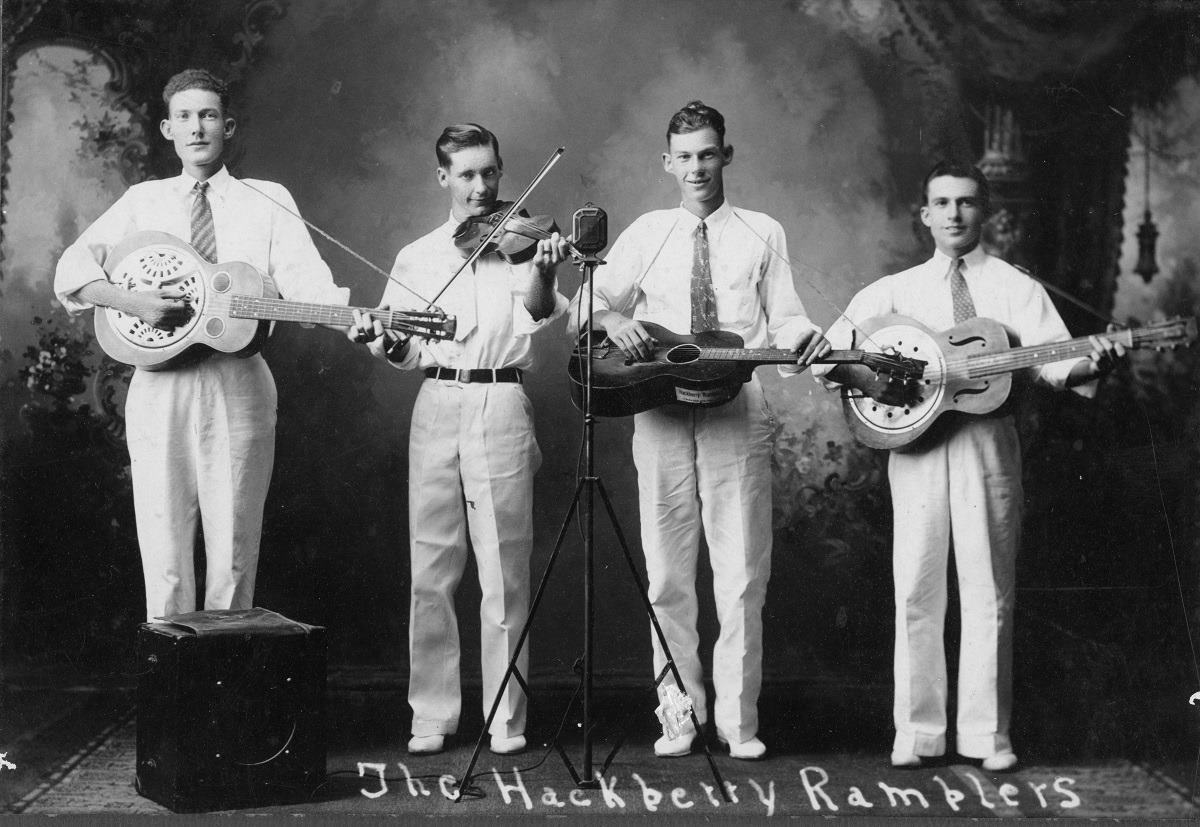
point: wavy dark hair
(694, 116)
(464, 135)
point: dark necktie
(204, 234)
(964, 308)
(704, 300)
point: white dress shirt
(250, 227)
(494, 329)
(650, 267)
(998, 290)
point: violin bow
(499, 228)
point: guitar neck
(1030, 356)
(281, 310)
(776, 356)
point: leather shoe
(666, 747)
(750, 750)
(1002, 761)
(905, 760)
(507, 746)
(426, 744)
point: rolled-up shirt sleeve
(787, 321)
(523, 322)
(1039, 323)
(82, 262)
(614, 280)
(298, 269)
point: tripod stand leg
(662, 638)
(512, 663)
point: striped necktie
(204, 234)
(704, 300)
(964, 308)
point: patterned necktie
(964, 308)
(704, 300)
(204, 234)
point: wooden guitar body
(945, 386)
(152, 260)
(622, 387)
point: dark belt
(478, 375)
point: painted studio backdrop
(1085, 116)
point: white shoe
(666, 747)
(905, 760)
(507, 746)
(750, 750)
(426, 744)
(1002, 761)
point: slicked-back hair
(958, 169)
(462, 136)
(694, 116)
(196, 79)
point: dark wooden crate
(231, 710)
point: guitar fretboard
(281, 310)
(1034, 355)
(777, 356)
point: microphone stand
(587, 485)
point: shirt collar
(218, 183)
(716, 219)
(971, 261)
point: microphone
(589, 229)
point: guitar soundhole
(214, 327)
(683, 354)
(221, 282)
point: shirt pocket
(737, 306)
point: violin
(516, 242)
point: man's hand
(550, 253)
(1101, 361)
(366, 328)
(1105, 354)
(882, 387)
(161, 308)
(810, 346)
(629, 335)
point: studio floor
(70, 749)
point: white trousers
(472, 457)
(710, 468)
(201, 445)
(966, 487)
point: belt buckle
(462, 376)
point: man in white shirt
(201, 437)
(706, 265)
(472, 451)
(961, 480)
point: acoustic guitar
(969, 370)
(233, 305)
(702, 369)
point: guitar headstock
(898, 367)
(1172, 333)
(426, 324)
